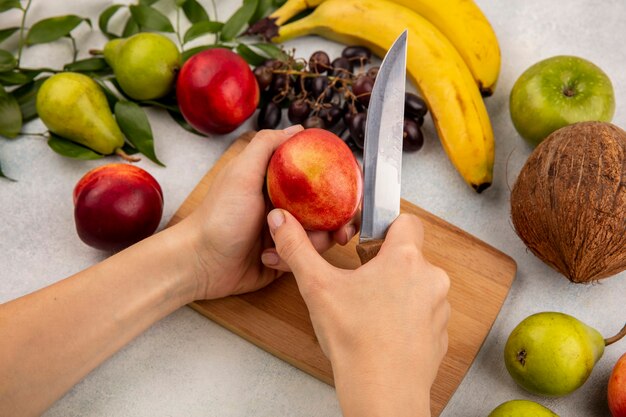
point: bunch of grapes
(332, 95)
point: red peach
(116, 205)
(315, 177)
(216, 91)
(617, 388)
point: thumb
(293, 244)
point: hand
(233, 241)
(383, 325)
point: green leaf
(71, 149)
(194, 11)
(53, 28)
(238, 20)
(103, 20)
(191, 52)
(178, 118)
(87, 65)
(249, 55)
(262, 10)
(26, 97)
(202, 28)
(18, 77)
(134, 123)
(130, 28)
(3, 175)
(271, 50)
(10, 115)
(9, 4)
(7, 61)
(5, 33)
(151, 19)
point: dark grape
(280, 83)
(319, 62)
(269, 116)
(359, 54)
(332, 97)
(357, 128)
(412, 137)
(342, 67)
(272, 63)
(298, 111)
(263, 76)
(330, 115)
(319, 85)
(372, 72)
(314, 121)
(349, 110)
(362, 89)
(302, 84)
(414, 106)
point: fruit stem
(618, 336)
(126, 157)
(21, 41)
(96, 52)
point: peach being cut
(315, 177)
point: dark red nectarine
(116, 205)
(315, 177)
(216, 91)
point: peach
(617, 388)
(116, 205)
(216, 91)
(315, 177)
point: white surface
(186, 365)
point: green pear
(73, 106)
(521, 408)
(552, 353)
(144, 64)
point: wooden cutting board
(276, 318)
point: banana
(461, 21)
(433, 64)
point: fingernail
(350, 231)
(275, 219)
(292, 129)
(269, 258)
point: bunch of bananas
(453, 56)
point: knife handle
(368, 250)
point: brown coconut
(568, 204)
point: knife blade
(382, 151)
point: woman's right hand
(383, 325)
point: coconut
(568, 204)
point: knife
(382, 151)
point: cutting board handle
(368, 250)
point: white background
(186, 365)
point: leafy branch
(19, 85)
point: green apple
(557, 92)
(521, 408)
(552, 353)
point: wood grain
(276, 318)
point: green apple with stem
(521, 408)
(557, 92)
